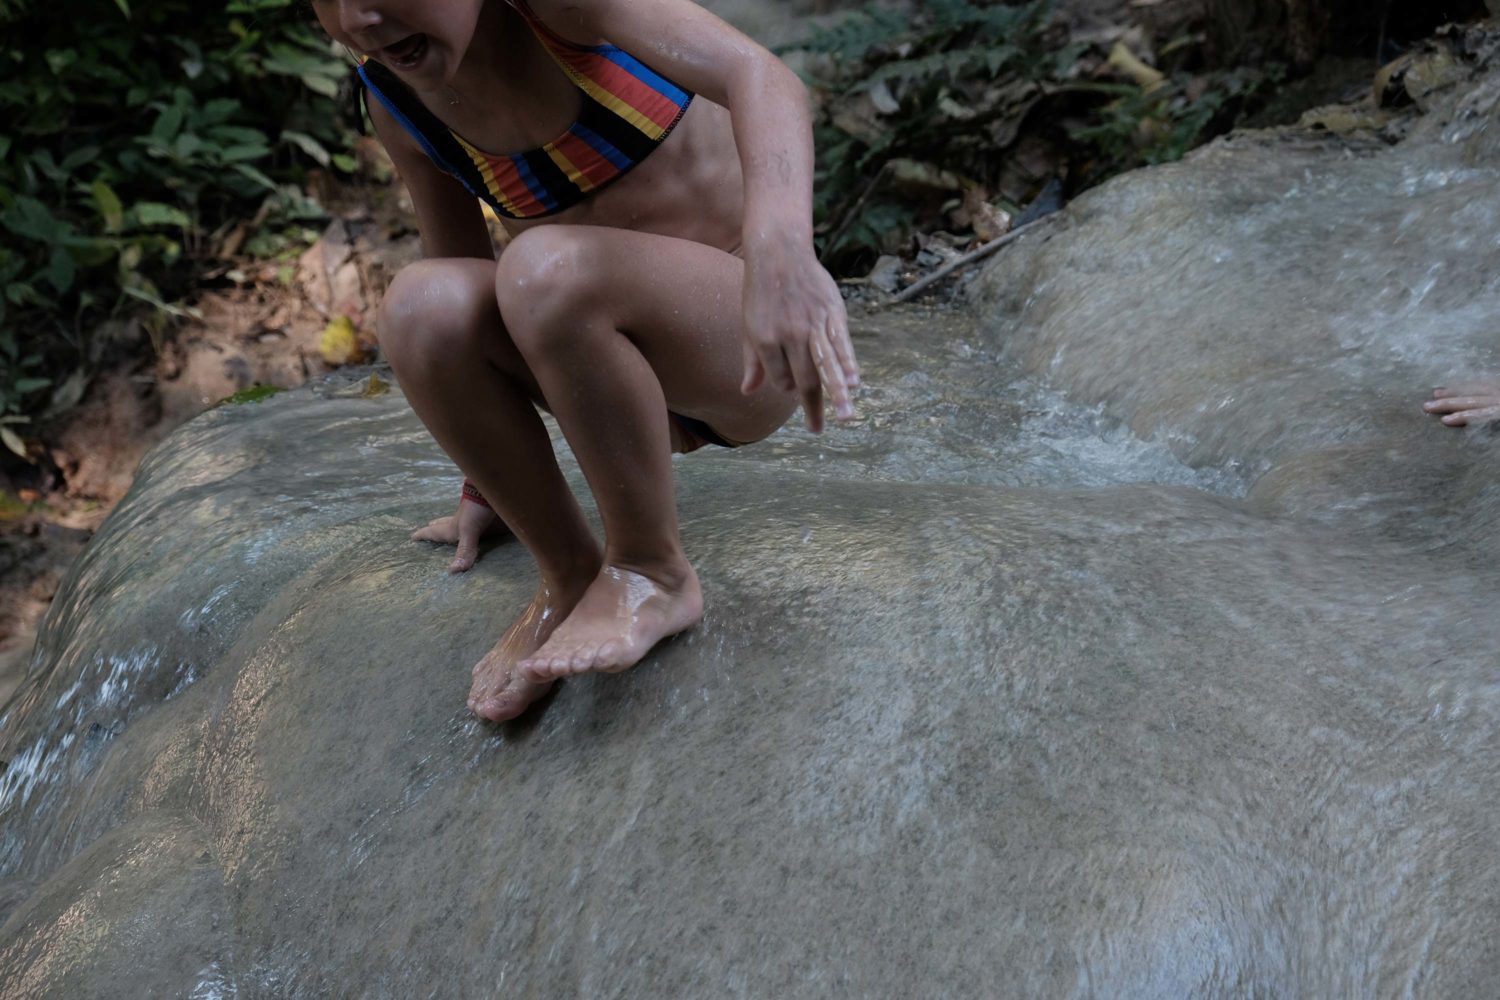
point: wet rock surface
(1141, 639)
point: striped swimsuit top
(627, 111)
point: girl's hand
(465, 527)
(797, 333)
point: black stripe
(615, 130)
(563, 191)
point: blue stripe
(538, 192)
(417, 134)
(645, 74)
(603, 147)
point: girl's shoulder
(550, 24)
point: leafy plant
(919, 104)
(927, 84)
(136, 133)
(1144, 125)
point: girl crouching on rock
(654, 169)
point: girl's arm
(797, 332)
(448, 216)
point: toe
(477, 697)
(535, 669)
(604, 655)
(494, 704)
(612, 658)
(584, 659)
(512, 701)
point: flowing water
(1139, 640)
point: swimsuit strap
(628, 109)
(613, 77)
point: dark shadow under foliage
(136, 134)
(930, 111)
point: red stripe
(620, 82)
(508, 179)
(596, 168)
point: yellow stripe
(566, 166)
(487, 174)
(629, 112)
(616, 104)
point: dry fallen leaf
(375, 386)
(1127, 62)
(338, 344)
(988, 220)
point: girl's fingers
(755, 372)
(844, 348)
(809, 386)
(832, 374)
(465, 557)
(780, 374)
(812, 408)
(439, 529)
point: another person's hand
(797, 334)
(1466, 403)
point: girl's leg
(442, 332)
(617, 328)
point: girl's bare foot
(499, 691)
(465, 528)
(621, 616)
(1466, 403)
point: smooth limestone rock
(1139, 642)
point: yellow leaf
(375, 387)
(338, 345)
(1127, 62)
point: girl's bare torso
(689, 187)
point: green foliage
(924, 83)
(251, 394)
(1142, 125)
(950, 84)
(134, 132)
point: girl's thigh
(679, 302)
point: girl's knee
(544, 280)
(436, 308)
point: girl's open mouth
(407, 52)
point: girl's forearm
(768, 110)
